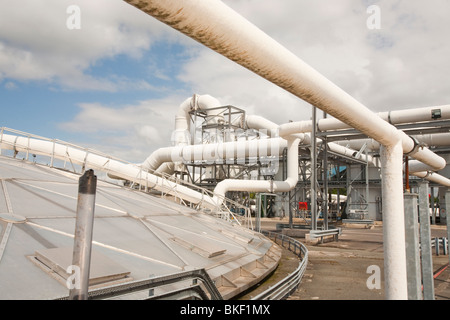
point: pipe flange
(417, 146)
(427, 175)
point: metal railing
(199, 281)
(437, 243)
(290, 283)
(314, 234)
(49, 159)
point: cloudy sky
(115, 83)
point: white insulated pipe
(430, 139)
(393, 117)
(204, 102)
(393, 223)
(301, 130)
(434, 177)
(218, 27)
(266, 185)
(225, 152)
(116, 168)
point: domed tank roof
(136, 236)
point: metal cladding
(136, 236)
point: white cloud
(35, 43)
(403, 65)
(130, 132)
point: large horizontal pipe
(218, 27)
(226, 152)
(94, 161)
(266, 185)
(434, 177)
(394, 117)
(430, 140)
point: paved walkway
(341, 270)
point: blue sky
(115, 84)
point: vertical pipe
(367, 179)
(325, 178)
(325, 181)
(83, 233)
(313, 171)
(425, 242)
(447, 218)
(291, 220)
(407, 188)
(258, 213)
(393, 222)
(433, 211)
(412, 247)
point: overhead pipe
(416, 168)
(218, 27)
(119, 169)
(182, 135)
(266, 185)
(394, 117)
(302, 130)
(430, 139)
(222, 152)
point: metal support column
(425, 242)
(313, 177)
(447, 209)
(412, 247)
(325, 186)
(83, 233)
(433, 209)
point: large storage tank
(136, 237)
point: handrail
(286, 286)
(223, 210)
(151, 283)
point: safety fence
(290, 283)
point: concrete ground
(342, 270)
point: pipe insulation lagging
(226, 152)
(220, 28)
(430, 139)
(394, 117)
(434, 177)
(115, 168)
(265, 185)
(202, 102)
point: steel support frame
(412, 247)
(425, 242)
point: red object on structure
(303, 206)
